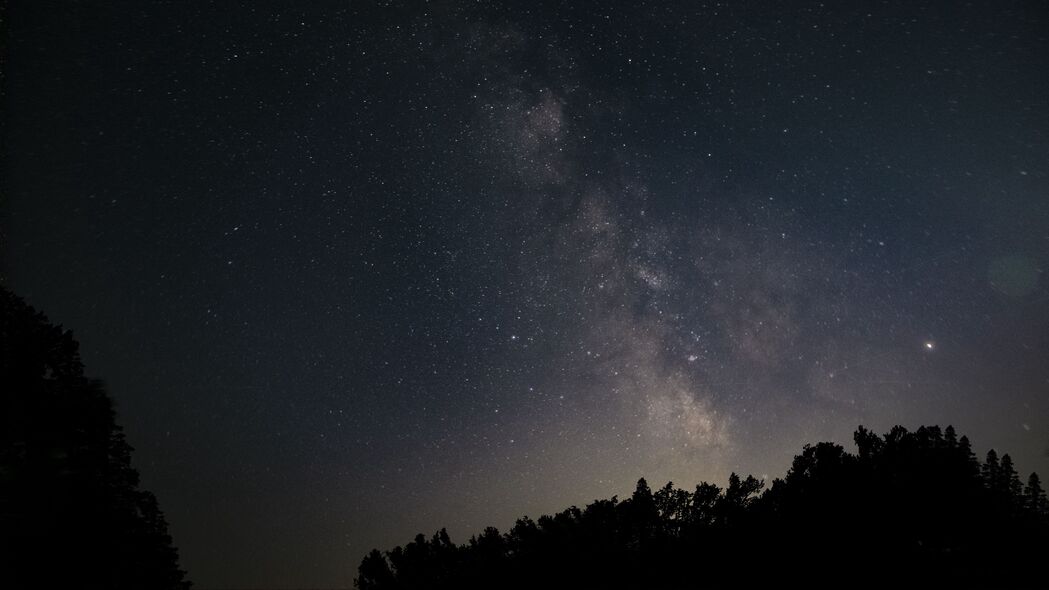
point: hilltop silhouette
(72, 514)
(908, 508)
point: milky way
(354, 272)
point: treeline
(908, 508)
(72, 514)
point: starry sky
(357, 270)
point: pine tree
(991, 471)
(1009, 480)
(642, 512)
(972, 464)
(950, 437)
(1034, 496)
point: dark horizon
(916, 507)
(907, 509)
(359, 270)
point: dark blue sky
(362, 270)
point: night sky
(357, 271)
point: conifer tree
(991, 471)
(1034, 496)
(1010, 480)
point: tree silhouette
(992, 471)
(912, 508)
(374, 572)
(71, 511)
(1034, 497)
(1010, 480)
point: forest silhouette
(72, 514)
(907, 509)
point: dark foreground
(908, 509)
